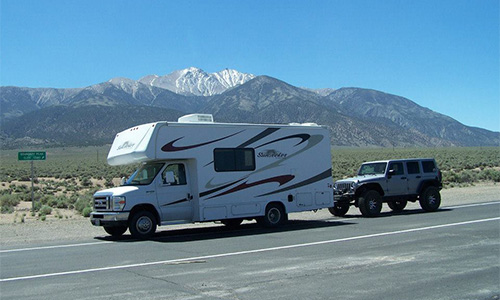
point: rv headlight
(119, 203)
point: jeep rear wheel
(339, 210)
(430, 199)
(398, 205)
(370, 203)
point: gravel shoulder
(76, 228)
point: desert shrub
(8, 202)
(490, 175)
(86, 182)
(82, 202)
(45, 210)
(86, 212)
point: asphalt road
(450, 254)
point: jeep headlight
(118, 203)
(354, 184)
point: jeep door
(414, 176)
(397, 183)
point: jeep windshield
(145, 174)
(372, 168)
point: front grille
(343, 187)
(102, 203)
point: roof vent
(196, 118)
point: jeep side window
(397, 167)
(428, 166)
(413, 167)
(373, 168)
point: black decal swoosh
(218, 189)
(322, 175)
(176, 202)
(279, 179)
(303, 136)
(171, 148)
(261, 135)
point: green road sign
(32, 155)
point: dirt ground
(66, 225)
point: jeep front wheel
(370, 203)
(430, 199)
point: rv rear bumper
(109, 218)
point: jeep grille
(343, 187)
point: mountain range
(92, 115)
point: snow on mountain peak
(195, 81)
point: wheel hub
(144, 224)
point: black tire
(142, 225)
(115, 231)
(339, 210)
(370, 203)
(430, 199)
(232, 223)
(275, 216)
(398, 205)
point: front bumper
(109, 218)
(343, 198)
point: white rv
(195, 170)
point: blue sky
(442, 54)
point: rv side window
(234, 159)
(179, 173)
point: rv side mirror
(169, 177)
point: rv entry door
(174, 193)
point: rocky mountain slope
(355, 117)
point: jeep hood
(364, 178)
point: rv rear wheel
(142, 225)
(398, 205)
(339, 210)
(115, 231)
(275, 216)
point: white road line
(107, 242)
(55, 246)
(206, 257)
(471, 205)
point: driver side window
(179, 174)
(397, 167)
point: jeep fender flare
(365, 187)
(425, 184)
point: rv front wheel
(142, 225)
(115, 231)
(232, 223)
(275, 216)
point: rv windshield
(145, 174)
(372, 168)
